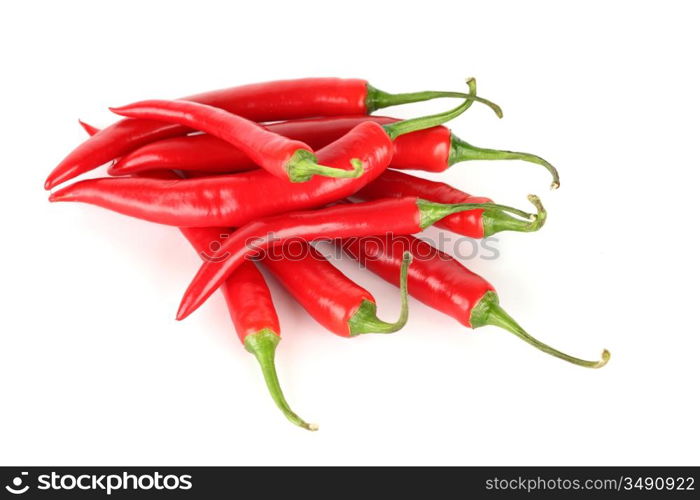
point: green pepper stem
(495, 221)
(461, 150)
(411, 125)
(489, 312)
(262, 345)
(431, 212)
(378, 99)
(365, 319)
(302, 166)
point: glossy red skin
(327, 294)
(246, 293)
(264, 148)
(269, 101)
(247, 296)
(191, 153)
(434, 278)
(330, 297)
(393, 184)
(206, 153)
(91, 130)
(234, 200)
(427, 149)
(398, 216)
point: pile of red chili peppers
(260, 172)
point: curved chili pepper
(441, 282)
(189, 153)
(260, 102)
(474, 224)
(253, 314)
(249, 304)
(283, 157)
(206, 153)
(346, 308)
(433, 150)
(396, 216)
(234, 200)
(448, 149)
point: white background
(94, 369)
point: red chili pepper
(206, 153)
(474, 223)
(233, 200)
(433, 150)
(441, 282)
(397, 216)
(346, 309)
(190, 153)
(438, 149)
(253, 314)
(283, 157)
(330, 297)
(269, 101)
(249, 304)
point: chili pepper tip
(91, 130)
(182, 312)
(59, 195)
(67, 193)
